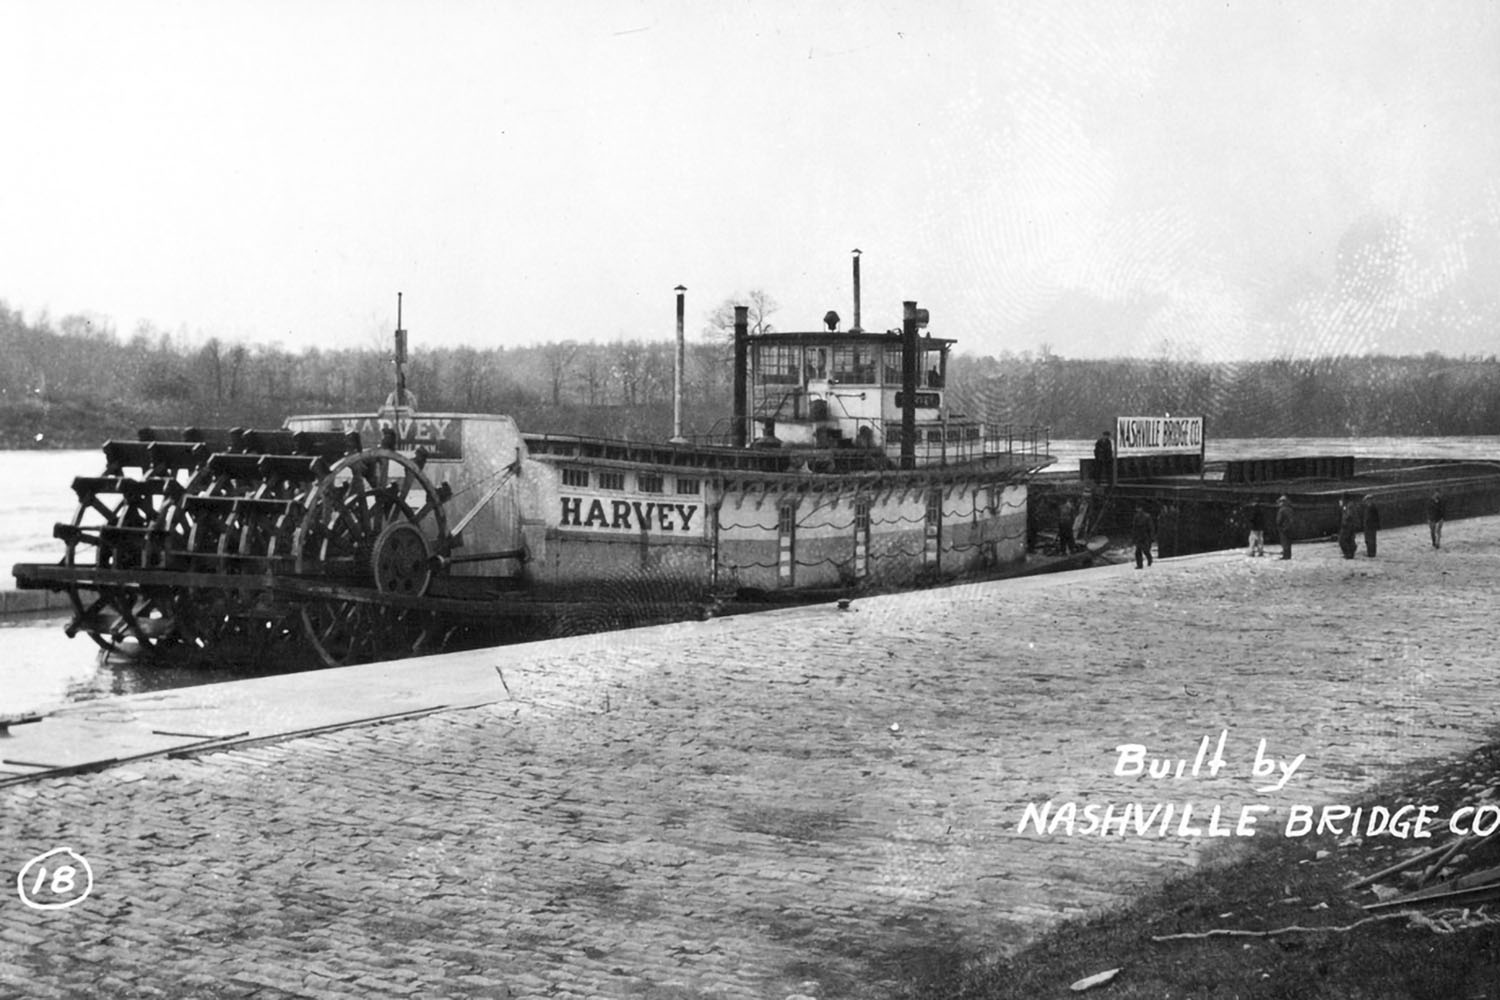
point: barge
(362, 536)
(1197, 506)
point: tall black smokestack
(677, 365)
(741, 375)
(856, 327)
(909, 385)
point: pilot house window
(776, 364)
(892, 366)
(575, 477)
(854, 364)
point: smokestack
(909, 385)
(741, 375)
(400, 357)
(677, 437)
(856, 327)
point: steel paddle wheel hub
(402, 564)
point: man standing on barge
(1104, 459)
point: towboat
(362, 536)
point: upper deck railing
(946, 443)
(1012, 447)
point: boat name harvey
(647, 516)
(440, 436)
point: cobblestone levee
(801, 801)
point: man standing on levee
(1141, 532)
(1435, 512)
(1349, 521)
(1284, 525)
(1372, 525)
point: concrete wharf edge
(757, 806)
(22, 602)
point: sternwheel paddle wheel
(368, 546)
(186, 538)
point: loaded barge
(1200, 506)
(361, 536)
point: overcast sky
(1211, 179)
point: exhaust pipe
(856, 328)
(909, 385)
(677, 437)
(741, 375)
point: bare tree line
(78, 380)
(1350, 396)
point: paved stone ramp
(804, 801)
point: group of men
(1103, 474)
(1257, 518)
(1355, 518)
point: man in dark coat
(1372, 525)
(1104, 459)
(1065, 540)
(1435, 512)
(1257, 518)
(1141, 532)
(1349, 521)
(1284, 525)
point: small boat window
(575, 477)
(687, 486)
(648, 482)
(611, 480)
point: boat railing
(966, 441)
(936, 444)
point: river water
(40, 668)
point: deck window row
(645, 482)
